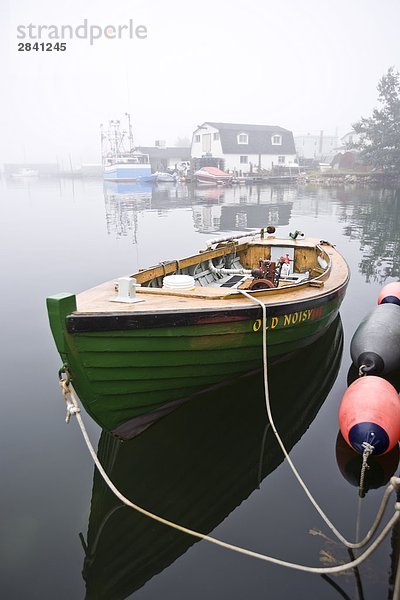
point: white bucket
(178, 282)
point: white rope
(69, 395)
(395, 482)
(367, 451)
(320, 570)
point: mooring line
(394, 483)
(73, 409)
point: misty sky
(305, 66)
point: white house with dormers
(245, 148)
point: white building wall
(232, 161)
(200, 148)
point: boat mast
(115, 126)
(102, 136)
(130, 135)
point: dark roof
(259, 137)
(170, 152)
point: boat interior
(252, 262)
(259, 264)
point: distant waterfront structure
(347, 158)
(91, 170)
(351, 137)
(163, 158)
(244, 148)
(42, 169)
(316, 146)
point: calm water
(67, 236)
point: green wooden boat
(196, 465)
(168, 332)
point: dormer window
(277, 140)
(242, 138)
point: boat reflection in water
(196, 465)
(134, 190)
(123, 201)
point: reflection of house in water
(207, 218)
(214, 209)
(245, 208)
(243, 216)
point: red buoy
(390, 294)
(370, 412)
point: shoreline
(330, 179)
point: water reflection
(133, 190)
(380, 468)
(197, 465)
(371, 216)
(123, 202)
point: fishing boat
(132, 167)
(169, 331)
(196, 465)
(212, 176)
(122, 162)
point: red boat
(212, 176)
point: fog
(305, 66)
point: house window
(277, 140)
(244, 160)
(197, 138)
(216, 137)
(281, 160)
(243, 138)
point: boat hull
(126, 172)
(125, 365)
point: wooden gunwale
(97, 299)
